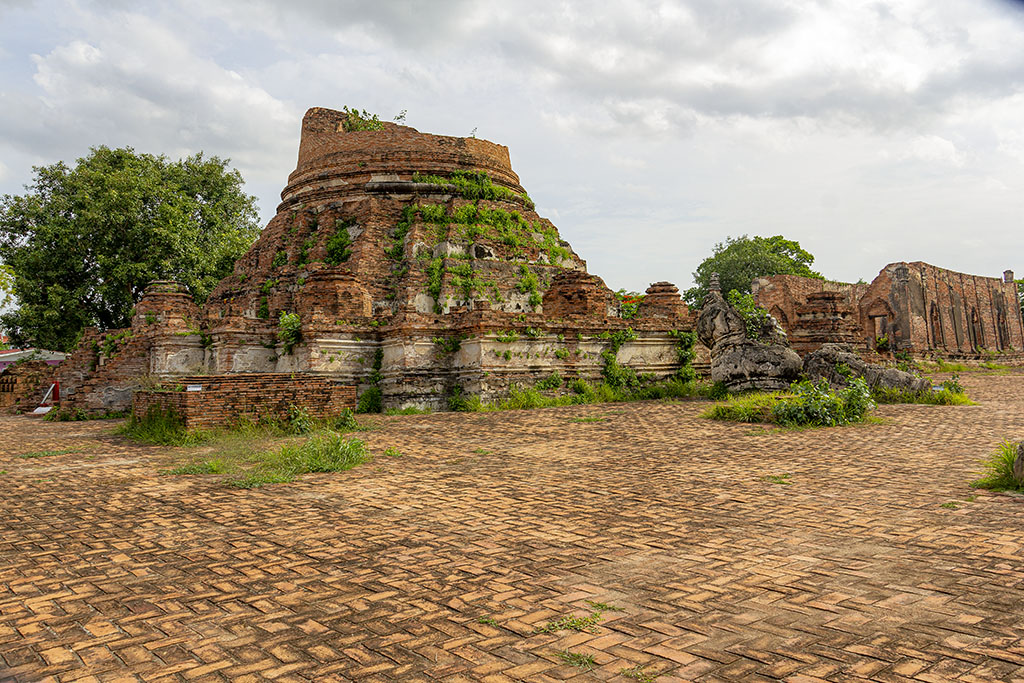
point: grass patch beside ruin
(997, 474)
(942, 397)
(324, 452)
(582, 392)
(950, 393)
(252, 454)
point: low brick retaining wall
(220, 400)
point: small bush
(370, 401)
(953, 386)
(68, 415)
(998, 470)
(344, 421)
(807, 404)
(299, 420)
(339, 245)
(552, 381)
(289, 330)
(756, 318)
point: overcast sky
(647, 131)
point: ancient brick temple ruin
(410, 262)
(912, 307)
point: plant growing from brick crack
(356, 120)
(777, 478)
(756, 318)
(448, 344)
(289, 330)
(280, 259)
(603, 606)
(637, 673)
(370, 401)
(579, 660)
(338, 249)
(616, 375)
(685, 341)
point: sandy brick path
(109, 571)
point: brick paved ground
(109, 571)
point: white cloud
(868, 131)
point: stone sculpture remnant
(837, 363)
(737, 361)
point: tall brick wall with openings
(910, 307)
(204, 401)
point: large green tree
(739, 260)
(83, 242)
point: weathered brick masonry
(917, 307)
(398, 279)
(23, 384)
(222, 399)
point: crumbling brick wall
(915, 307)
(222, 399)
(22, 385)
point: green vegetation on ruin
(474, 185)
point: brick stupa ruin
(413, 262)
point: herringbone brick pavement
(440, 564)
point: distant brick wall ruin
(22, 386)
(916, 307)
(221, 400)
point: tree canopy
(739, 260)
(83, 242)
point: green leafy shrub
(344, 421)
(882, 344)
(816, 404)
(997, 474)
(280, 259)
(757, 319)
(552, 381)
(289, 330)
(299, 420)
(370, 401)
(356, 120)
(629, 303)
(953, 386)
(685, 353)
(339, 245)
(806, 404)
(264, 308)
(66, 415)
